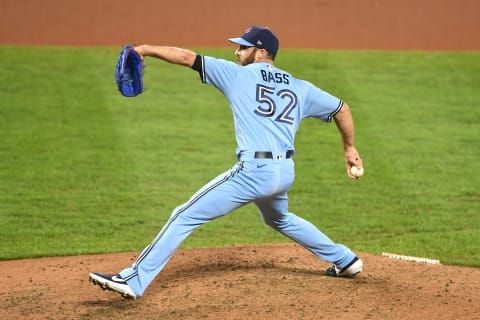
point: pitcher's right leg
(275, 213)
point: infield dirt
(274, 281)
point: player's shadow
(211, 268)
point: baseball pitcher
(268, 105)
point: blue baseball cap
(259, 37)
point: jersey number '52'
(265, 96)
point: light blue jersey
(267, 103)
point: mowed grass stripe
(85, 170)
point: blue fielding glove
(129, 72)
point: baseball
(356, 171)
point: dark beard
(251, 58)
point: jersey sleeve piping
(199, 66)
(337, 110)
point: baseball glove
(129, 72)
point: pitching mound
(281, 281)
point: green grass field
(84, 170)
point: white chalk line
(410, 258)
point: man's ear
(260, 54)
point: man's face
(245, 55)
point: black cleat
(114, 283)
(353, 268)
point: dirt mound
(282, 281)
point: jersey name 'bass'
(277, 77)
